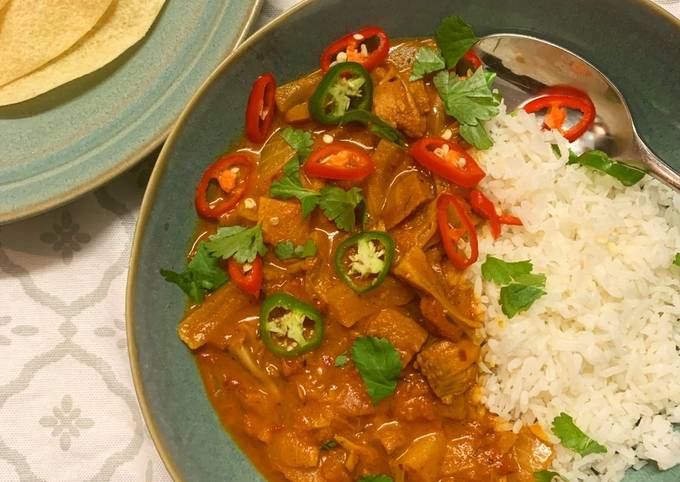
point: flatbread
(124, 25)
(33, 32)
(3, 3)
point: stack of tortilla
(47, 43)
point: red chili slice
(233, 174)
(469, 61)
(250, 281)
(558, 98)
(456, 165)
(483, 206)
(339, 161)
(351, 43)
(261, 108)
(451, 235)
(510, 220)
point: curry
(332, 322)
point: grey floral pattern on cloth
(65, 236)
(67, 406)
(108, 332)
(4, 320)
(66, 422)
(19, 330)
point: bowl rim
(58, 200)
(145, 210)
(152, 189)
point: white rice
(602, 345)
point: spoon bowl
(527, 65)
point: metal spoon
(526, 65)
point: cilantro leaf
(298, 139)
(489, 77)
(556, 150)
(627, 175)
(427, 60)
(523, 286)
(547, 476)
(476, 135)
(202, 274)
(469, 100)
(504, 272)
(531, 279)
(573, 437)
(379, 365)
(376, 478)
(329, 444)
(341, 206)
(341, 360)
(516, 298)
(676, 260)
(374, 124)
(454, 37)
(242, 244)
(287, 250)
(290, 186)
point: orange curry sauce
(281, 411)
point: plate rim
(58, 200)
(149, 198)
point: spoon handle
(658, 168)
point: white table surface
(68, 410)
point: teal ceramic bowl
(74, 138)
(632, 42)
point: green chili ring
(292, 304)
(321, 98)
(339, 259)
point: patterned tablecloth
(68, 410)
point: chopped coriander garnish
(627, 175)
(573, 438)
(376, 478)
(427, 60)
(676, 260)
(556, 150)
(503, 272)
(379, 365)
(516, 298)
(329, 444)
(287, 250)
(341, 360)
(476, 135)
(375, 124)
(454, 37)
(298, 139)
(242, 244)
(522, 287)
(338, 205)
(202, 274)
(341, 206)
(470, 101)
(531, 279)
(548, 476)
(290, 186)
